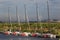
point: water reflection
(28, 39)
(2, 37)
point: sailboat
(9, 31)
(37, 24)
(26, 21)
(17, 31)
(48, 35)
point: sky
(54, 9)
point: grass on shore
(32, 27)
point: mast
(19, 23)
(25, 13)
(16, 15)
(37, 15)
(18, 18)
(48, 12)
(26, 17)
(48, 15)
(38, 20)
(9, 19)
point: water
(5, 37)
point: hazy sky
(54, 8)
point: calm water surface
(5, 37)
